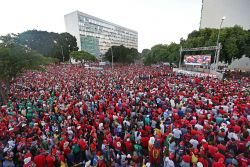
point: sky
(156, 21)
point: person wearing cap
(40, 159)
(128, 146)
(28, 162)
(186, 160)
(155, 154)
(168, 161)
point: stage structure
(203, 60)
(216, 49)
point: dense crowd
(132, 116)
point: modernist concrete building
(96, 36)
(235, 11)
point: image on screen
(197, 59)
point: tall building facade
(96, 36)
(235, 11)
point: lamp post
(218, 45)
(112, 61)
(55, 42)
(62, 53)
(112, 58)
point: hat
(66, 144)
(152, 140)
(118, 144)
(203, 140)
(87, 164)
(199, 164)
(27, 160)
(42, 123)
(196, 150)
(11, 129)
(171, 156)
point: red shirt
(186, 158)
(218, 164)
(144, 142)
(203, 161)
(82, 145)
(129, 146)
(40, 160)
(50, 161)
(218, 155)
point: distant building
(96, 36)
(235, 11)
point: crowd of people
(132, 116)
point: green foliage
(49, 44)
(82, 56)
(122, 54)
(14, 60)
(233, 40)
(163, 53)
(145, 52)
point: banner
(197, 59)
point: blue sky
(157, 21)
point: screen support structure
(212, 48)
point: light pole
(62, 53)
(112, 61)
(217, 44)
(112, 58)
(55, 42)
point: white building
(96, 36)
(235, 11)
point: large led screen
(197, 59)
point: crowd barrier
(212, 73)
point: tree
(145, 52)
(121, 54)
(233, 40)
(49, 44)
(14, 60)
(82, 56)
(163, 53)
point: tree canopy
(163, 53)
(235, 42)
(14, 60)
(82, 56)
(49, 44)
(121, 54)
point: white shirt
(168, 162)
(177, 133)
(194, 143)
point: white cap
(199, 164)
(27, 160)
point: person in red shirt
(40, 160)
(128, 146)
(144, 142)
(186, 159)
(50, 160)
(220, 163)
